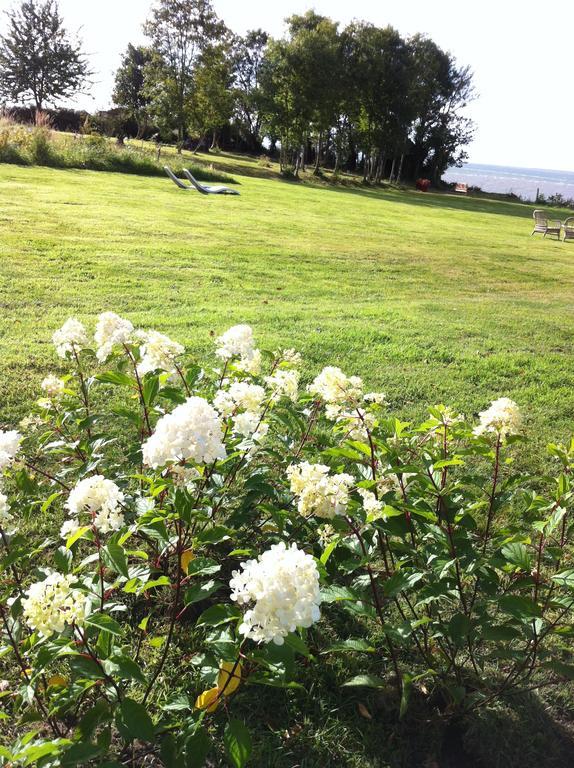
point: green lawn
(430, 297)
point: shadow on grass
(327, 724)
(348, 728)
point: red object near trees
(423, 184)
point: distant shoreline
(523, 182)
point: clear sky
(520, 52)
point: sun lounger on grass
(205, 189)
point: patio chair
(174, 178)
(545, 226)
(568, 227)
(208, 189)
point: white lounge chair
(205, 189)
(174, 178)
(208, 189)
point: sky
(519, 50)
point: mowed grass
(429, 297)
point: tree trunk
(400, 169)
(392, 169)
(215, 140)
(318, 155)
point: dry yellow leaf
(57, 680)
(208, 700)
(229, 676)
(186, 558)
(363, 711)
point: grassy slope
(429, 297)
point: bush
(171, 534)
(38, 145)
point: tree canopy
(40, 62)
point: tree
(129, 92)
(180, 31)
(380, 65)
(213, 93)
(441, 91)
(248, 57)
(39, 61)
(316, 57)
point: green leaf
(49, 501)
(329, 549)
(150, 389)
(237, 741)
(351, 644)
(199, 592)
(196, 749)
(458, 628)
(135, 721)
(105, 622)
(520, 607)
(115, 558)
(405, 694)
(365, 681)
(80, 754)
(399, 581)
(565, 579)
(214, 535)
(297, 644)
(115, 377)
(202, 566)
(218, 614)
(499, 633)
(123, 667)
(517, 554)
(334, 594)
(564, 670)
(77, 535)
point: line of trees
(359, 98)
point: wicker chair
(568, 227)
(545, 226)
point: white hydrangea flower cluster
(52, 604)
(53, 387)
(111, 330)
(184, 477)
(7, 524)
(290, 356)
(238, 342)
(326, 534)
(318, 492)
(379, 398)
(335, 388)
(9, 445)
(283, 585)
(192, 431)
(242, 396)
(357, 423)
(251, 363)
(372, 506)
(99, 497)
(158, 352)
(70, 337)
(390, 483)
(502, 417)
(283, 383)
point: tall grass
(39, 145)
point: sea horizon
(522, 181)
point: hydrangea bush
(174, 536)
